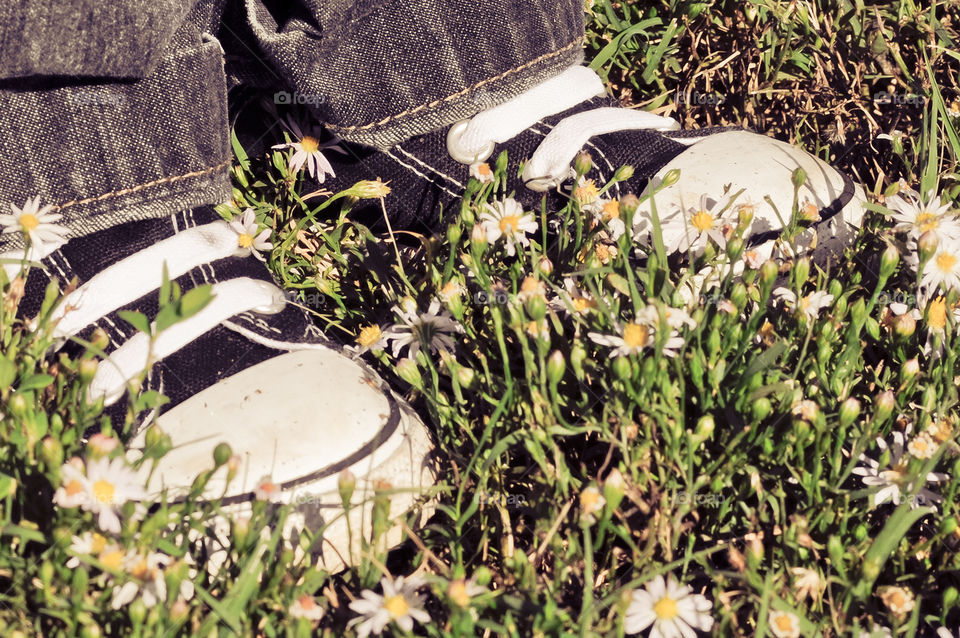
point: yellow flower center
(245, 240)
(97, 544)
(112, 559)
(897, 599)
(458, 593)
(946, 262)
(665, 608)
(611, 210)
(483, 169)
(73, 488)
(141, 570)
(702, 221)
(590, 501)
(307, 603)
(927, 221)
(29, 222)
(582, 304)
(783, 623)
(805, 303)
(603, 253)
(810, 211)
(396, 606)
(104, 491)
(309, 144)
(369, 336)
(586, 192)
(636, 335)
(937, 314)
(509, 223)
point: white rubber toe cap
(733, 160)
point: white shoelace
(142, 272)
(474, 140)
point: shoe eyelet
(460, 154)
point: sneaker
(249, 369)
(545, 128)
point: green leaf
(8, 373)
(35, 382)
(8, 486)
(136, 319)
(195, 300)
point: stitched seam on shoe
(459, 94)
(415, 171)
(136, 189)
(425, 165)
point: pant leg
(125, 119)
(381, 72)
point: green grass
(708, 471)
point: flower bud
(849, 411)
(904, 325)
(369, 189)
(536, 307)
(671, 178)
(623, 173)
(346, 483)
(222, 454)
(889, 260)
(453, 234)
(799, 177)
(734, 249)
(768, 273)
(745, 214)
(614, 488)
(761, 408)
(233, 466)
(705, 427)
(883, 406)
(801, 272)
(582, 163)
(578, 355)
(466, 377)
(409, 372)
(739, 295)
(622, 368)
(51, 451)
(927, 245)
(556, 367)
(157, 442)
(88, 370)
(478, 238)
(628, 204)
(17, 405)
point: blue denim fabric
(118, 111)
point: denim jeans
(116, 111)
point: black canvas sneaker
(249, 369)
(545, 128)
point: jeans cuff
(104, 154)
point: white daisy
(74, 486)
(634, 338)
(607, 212)
(87, 544)
(915, 215)
(305, 606)
(587, 194)
(462, 592)
(810, 305)
(676, 318)
(371, 337)
(754, 258)
(307, 152)
(671, 608)
(898, 600)
(573, 300)
(507, 219)
(112, 483)
(267, 490)
(481, 172)
(894, 479)
(430, 329)
(248, 238)
(146, 579)
(37, 223)
(591, 504)
(783, 624)
(399, 604)
(694, 227)
(943, 269)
